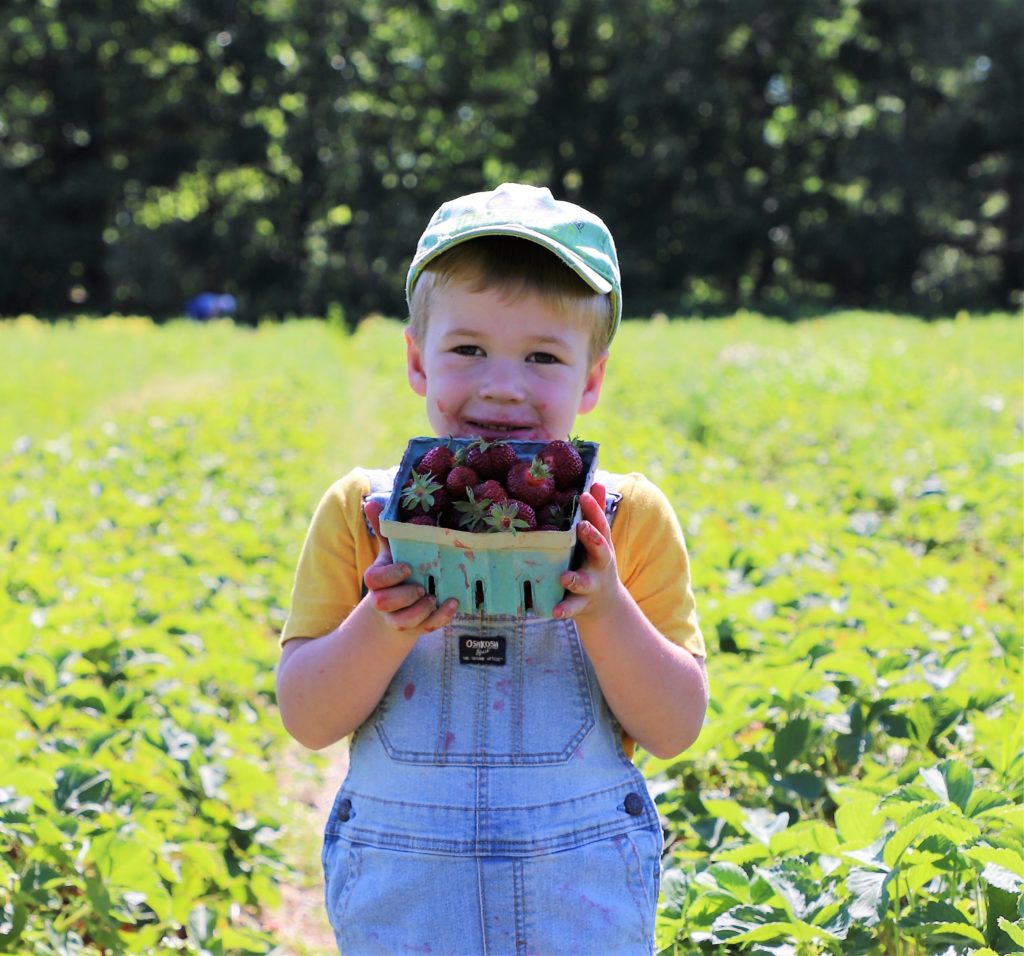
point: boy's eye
(543, 358)
(468, 350)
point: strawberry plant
(849, 489)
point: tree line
(787, 157)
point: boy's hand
(594, 584)
(405, 606)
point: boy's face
(498, 369)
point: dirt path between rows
(308, 784)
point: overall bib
(489, 807)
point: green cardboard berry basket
(490, 573)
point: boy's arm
(657, 690)
(327, 686)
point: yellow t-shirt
(649, 549)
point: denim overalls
(489, 807)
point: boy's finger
(396, 600)
(570, 607)
(598, 551)
(424, 614)
(578, 582)
(592, 508)
(442, 616)
(372, 509)
(383, 574)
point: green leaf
(803, 785)
(791, 741)
(920, 723)
(985, 801)
(202, 924)
(951, 780)
(1014, 930)
(927, 823)
(1002, 857)
(869, 889)
(730, 879)
(762, 824)
(751, 924)
(807, 836)
(858, 823)
(81, 789)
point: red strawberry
(530, 481)
(461, 479)
(422, 495)
(490, 459)
(422, 519)
(552, 517)
(563, 458)
(450, 517)
(493, 491)
(567, 499)
(512, 516)
(439, 460)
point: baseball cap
(578, 237)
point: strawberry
(491, 490)
(472, 514)
(490, 459)
(450, 516)
(563, 458)
(553, 517)
(460, 480)
(422, 519)
(567, 499)
(511, 516)
(530, 481)
(438, 460)
(422, 495)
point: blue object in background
(210, 305)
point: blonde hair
(517, 267)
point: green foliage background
(851, 494)
(786, 156)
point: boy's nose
(502, 386)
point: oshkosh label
(481, 649)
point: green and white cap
(578, 237)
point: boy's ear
(592, 386)
(414, 365)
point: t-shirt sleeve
(653, 562)
(337, 550)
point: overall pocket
(492, 692)
(340, 859)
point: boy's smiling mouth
(499, 429)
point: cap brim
(594, 279)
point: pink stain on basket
(408, 691)
(449, 739)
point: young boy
(494, 808)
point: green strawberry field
(851, 492)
